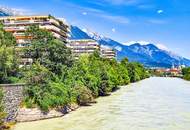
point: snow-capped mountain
(2, 13)
(154, 56)
(5, 11)
(149, 55)
(77, 33)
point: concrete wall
(13, 95)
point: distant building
(17, 25)
(175, 72)
(88, 46)
(83, 46)
(107, 52)
(171, 72)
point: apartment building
(88, 46)
(107, 52)
(18, 25)
(83, 46)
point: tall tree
(8, 58)
(48, 51)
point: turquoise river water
(151, 104)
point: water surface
(151, 104)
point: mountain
(77, 33)
(153, 56)
(149, 55)
(5, 11)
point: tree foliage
(55, 79)
(8, 57)
(186, 73)
(47, 50)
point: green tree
(37, 79)
(47, 50)
(8, 57)
(104, 83)
(123, 75)
(186, 73)
(45, 89)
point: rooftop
(83, 40)
(33, 16)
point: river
(151, 104)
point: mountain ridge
(150, 55)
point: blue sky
(162, 22)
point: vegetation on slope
(55, 79)
(186, 73)
(8, 60)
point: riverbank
(25, 115)
(35, 114)
(154, 103)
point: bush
(37, 79)
(186, 76)
(13, 79)
(186, 73)
(84, 95)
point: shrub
(84, 95)
(186, 73)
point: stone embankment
(13, 96)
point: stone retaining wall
(13, 95)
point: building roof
(83, 40)
(33, 16)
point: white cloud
(101, 13)
(145, 6)
(157, 21)
(123, 2)
(117, 19)
(113, 30)
(160, 11)
(84, 13)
